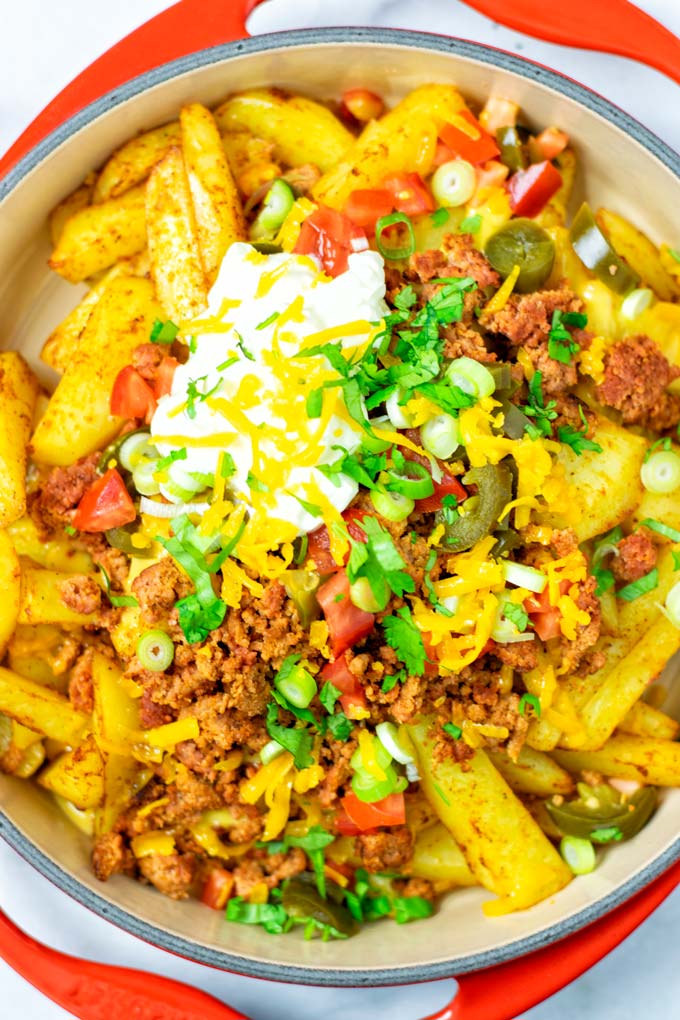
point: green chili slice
(597, 253)
(393, 254)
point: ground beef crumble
(636, 374)
(636, 557)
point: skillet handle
(506, 991)
(185, 27)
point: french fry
(77, 775)
(504, 847)
(403, 139)
(533, 773)
(242, 150)
(100, 235)
(645, 759)
(176, 265)
(607, 485)
(640, 253)
(62, 343)
(18, 394)
(40, 600)
(217, 206)
(10, 586)
(645, 721)
(301, 130)
(78, 420)
(437, 857)
(116, 717)
(69, 206)
(554, 213)
(43, 653)
(53, 553)
(39, 708)
(133, 162)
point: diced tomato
(410, 194)
(164, 377)
(549, 144)
(442, 154)
(545, 617)
(344, 824)
(131, 396)
(346, 623)
(217, 888)
(352, 693)
(474, 150)
(431, 667)
(365, 206)
(106, 504)
(490, 175)
(498, 113)
(362, 104)
(319, 544)
(332, 237)
(530, 189)
(388, 811)
(448, 486)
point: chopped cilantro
(256, 484)
(116, 600)
(439, 217)
(171, 457)
(605, 580)
(537, 409)
(240, 343)
(561, 343)
(163, 332)
(227, 465)
(379, 562)
(410, 908)
(640, 587)
(298, 740)
(517, 615)
(450, 508)
(70, 530)
(471, 224)
(314, 405)
(328, 695)
(311, 508)
(196, 396)
(452, 730)
(608, 834)
(391, 681)
(532, 702)
(404, 637)
(203, 611)
(313, 843)
(576, 438)
(440, 793)
(197, 619)
(339, 597)
(271, 916)
(339, 726)
(429, 585)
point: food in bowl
(344, 551)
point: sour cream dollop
(248, 407)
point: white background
(42, 46)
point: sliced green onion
(388, 735)
(270, 751)
(295, 683)
(372, 443)
(672, 605)
(440, 436)
(143, 478)
(398, 415)
(393, 506)
(640, 587)
(191, 481)
(579, 854)
(661, 472)
(414, 480)
(394, 254)
(369, 789)
(135, 448)
(278, 202)
(176, 493)
(362, 596)
(532, 702)
(524, 577)
(155, 650)
(454, 183)
(471, 377)
(636, 302)
(382, 756)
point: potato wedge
(100, 235)
(18, 394)
(55, 553)
(40, 600)
(504, 847)
(116, 717)
(10, 586)
(645, 759)
(533, 773)
(607, 485)
(242, 149)
(78, 420)
(403, 139)
(437, 857)
(39, 708)
(69, 206)
(639, 252)
(133, 162)
(43, 653)
(644, 720)
(176, 266)
(62, 343)
(22, 751)
(217, 206)
(77, 775)
(301, 130)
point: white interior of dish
(615, 170)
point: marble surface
(42, 46)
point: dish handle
(184, 28)
(507, 991)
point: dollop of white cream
(244, 392)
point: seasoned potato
(69, 206)
(646, 721)
(18, 394)
(607, 485)
(133, 162)
(301, 130)
(437, 857)
(53, 553)
(41, 599)
(77, 775)
(99, 235)
(217, 206)
(533, 773)
(39, 708)
(640, 253)
(645, 759)
(78, 419)
(116, 719)
(176, 265)
(10, 586)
